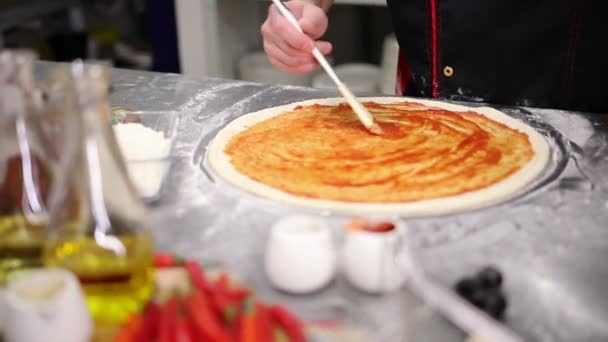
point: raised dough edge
(220, 163)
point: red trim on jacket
(433, 7)
(404, 74)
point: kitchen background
(218, 38)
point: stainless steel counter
(551, 241)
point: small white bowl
(46, 305)
(300, 256)
(148, 171)
(370, 259)
(149, 176)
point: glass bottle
(24, 173)
(107, 242)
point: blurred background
(202, 38)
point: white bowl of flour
(145, 142)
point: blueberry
(467, 286)
(478, 298)
(490, 277)
(492, 302)
(495, 304)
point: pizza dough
(458, 158)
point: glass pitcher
(106, 242)
(25, 176)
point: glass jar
(25, 176)
(107, 242)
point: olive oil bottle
(107, 242)
(24, 175)
(118, 278)
(21, 245)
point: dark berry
(467, 286)
(495, 304)
(490, 277)
(478, 298)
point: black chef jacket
(541, 53)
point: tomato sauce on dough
(324, 152)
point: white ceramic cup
(300, 256)
(46, 305)
(370, 259)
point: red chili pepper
(152, 319)
(248, 322)
(238, 294)
(229, 302)
(264, 321)
(222, 283)
(168, 320)
(206, 322)
(224, 306)
(196, 336)
(231, 320)
(197, 276)
(289, 323)
(230, 307)
(163, 260)
(182, 328)
(131, 330)
(280, 335)
(225, 303)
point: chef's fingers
(280, 27)
(300, 69)
(325, 47)
(289, 49)
(285, 47)
(313, 21)
(292, 61)
(312, 18)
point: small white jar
(46, 305)
(300, 256)
(370, 259)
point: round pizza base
(221, 165)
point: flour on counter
(146, 152)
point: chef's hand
(287, 48)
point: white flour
(146, 152)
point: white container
(370, 259)
(46, 305)
(359, 77)
(145, 143)
(300, 256)
(255, 67)
(390, 62)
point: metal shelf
(14, 12)
(202, 52)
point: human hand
(288, 49)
